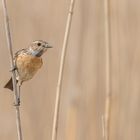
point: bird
(27, 62)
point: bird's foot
(13, 69)
(18, 102)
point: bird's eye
(38, 44)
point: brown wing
(19, 52)
(9, 84)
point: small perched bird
(28, 61)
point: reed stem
(12, 64)
(61, 69)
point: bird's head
(38, 47)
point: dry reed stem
(9, 42)
(103, 126)
(108, 91)
(61, 68)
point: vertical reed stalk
(9, 44)
(108, 91)
(61, 68)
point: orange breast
(27, 66)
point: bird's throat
(36, 53)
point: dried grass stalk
(61, 68)
(108, 84)
(9, 42)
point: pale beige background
(83, 91)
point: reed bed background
(84, 85)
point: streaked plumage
(28, 61)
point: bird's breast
(27, 66)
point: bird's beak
(48, 46)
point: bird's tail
(9, 84)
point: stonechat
(28, 61)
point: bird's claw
(13, 69)
(18, 102)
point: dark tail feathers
(9, 84)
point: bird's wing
(19, 52)
(22, 51)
